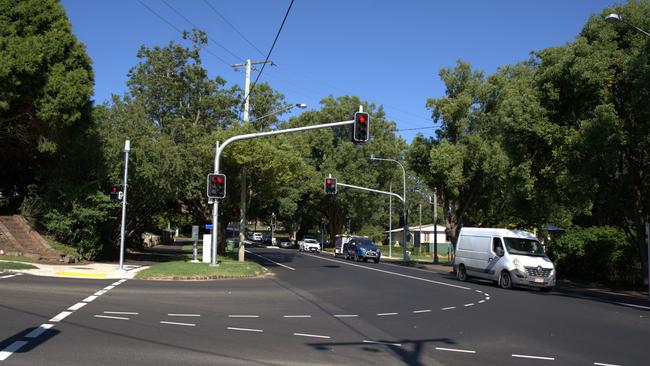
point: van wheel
(505, 280)
(462, 274)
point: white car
(309, 245)
(257, 236)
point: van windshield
(524, 247)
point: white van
(341, 240)
(507, 257)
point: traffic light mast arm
(371, 190)
(272, 133)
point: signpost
(195, 239)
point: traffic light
(115, 193)
(330, 185)
(361, 130)
(216, 186)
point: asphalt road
(314, 309)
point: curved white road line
(274, 262)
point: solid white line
(535, 357)
(11, 349)
(9, 276)
(386, 314)
(109, 287)
(38, 331)
(421, 311)
(604, 364)
(311, 335)
(279, 264)
(77, 306)
(183, 314)
(384, 343)
(89, 298)
(296, 316)
(243, 316)
(389, 272)
(346, 316)
(632, 305)
(61, 316)
(111, 317)
(121, 313)
(246, 329)
(455, 350)
(185, 324)
(449, 308)
(470, 304)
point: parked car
(309, 245)
(361, 249)
(286, 243)
(269, 241)
(507, 257)
(341, 240)
(257, 236)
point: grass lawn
(15, 265)
(15, 258)
(228, 268)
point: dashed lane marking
(470, 304)
(14, 347)
(243, 316)
(386, 314)
(38, 331)
(274, 262)
(77, 306)
(112, 317)
(187, 315)
(311, 335)
(90, 298)
(535, 357)
(455, 350)
(246, 329)
(604, 364)
(183, 324)
(109, 287)
(449, 308)
(383, 343)
(121, 313)
(62, 315)
(346, 316)
(421, 311)
(296, 316)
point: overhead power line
(415, 128)
(233, 27)
(270, 51)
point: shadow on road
(29, 343)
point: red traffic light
(362, 119)
(113, 189)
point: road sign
(208, 226)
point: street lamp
(290, 106)
(406, 224)
(617, 18)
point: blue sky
(386, 52)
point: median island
(187, 271)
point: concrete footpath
(91, 270)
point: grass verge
(66, 249)
(15, 258)
(182, 270)
(16, 265)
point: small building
(420, 234)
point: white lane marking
(111, 317)
(449, 308)
(246, 329)
(346, 316)
(311, 335)
(455, 350)
(487, 298)
(99, 293)
(479, 291)
(274, 262)
(77, 306)
(389, 272)
(184, 315)
(61, 316)
(89, 298)
(296, 316)
(121, 313)
(383, 343)
(421, 311)
(14, 347)
(470, 304)
(535, 357)
(38, 331)
(632, 305)
(486, 294)
(122, 280)
(9, 276)
(604, 364)
(174, 323)
(481, 301)
(243, 316)
(386, 314)
(109, 287)
(116, 283)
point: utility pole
(390, 222)
(420, 231)
(244, 187)
(127, 148)
(435, 226)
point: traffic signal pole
(219, 150)
(392, 195)
(215, 218)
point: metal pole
(127, 147)
(420, 231)
(647, 242)
(215, 216)
(435, 227)
(247, 89)
(390, 222)
(241, 255)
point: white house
(426, 234)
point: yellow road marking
(82, 274)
